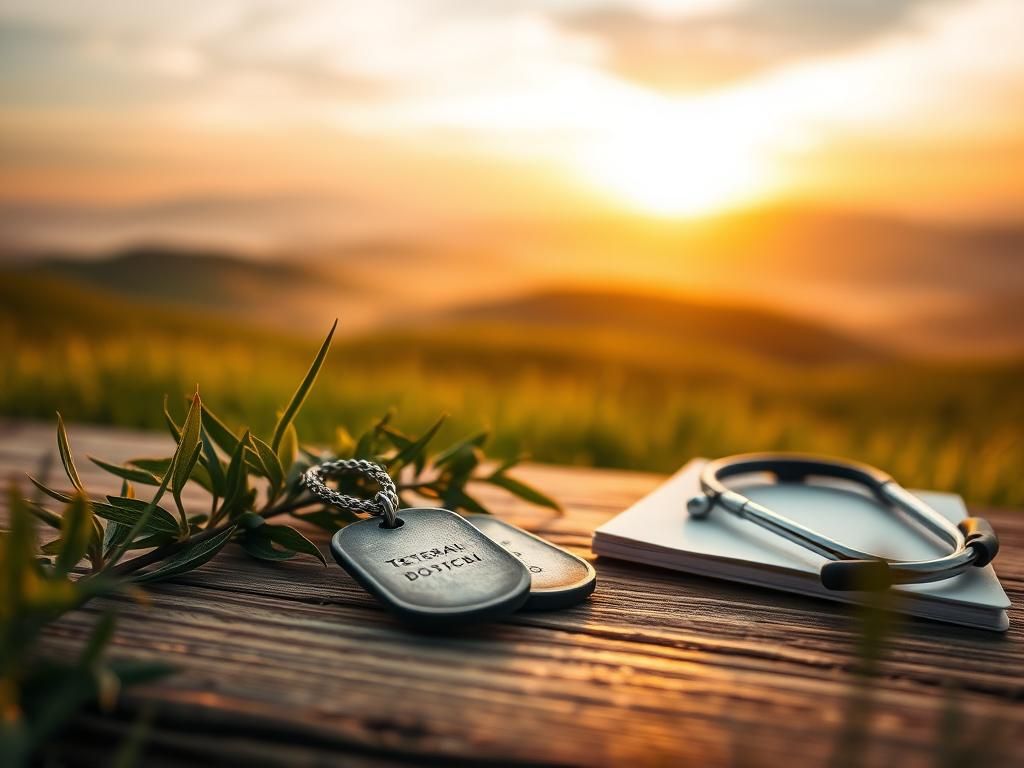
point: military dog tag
(433, 568)
(558, 578)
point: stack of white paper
(657, 531)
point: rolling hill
(216, 279)
(664, 326)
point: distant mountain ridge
(202, 277)
(954, 291)
(673, 324)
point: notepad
(658, 531)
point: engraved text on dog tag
(435, 568)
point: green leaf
(523, 491)
(160, 468)
(236, 479)
(64, 448)
(18, 547)
(187, 453)
(128, 511)
(257, 544)
(173, 428)
(220, 433)
(193, 555)
(213, 464)
(272, 469)
(289, 538)
(249, 520)
(415, 451)
(55, 495)
(288, 450)
(142, 522)
(98, 640)
(456, 498)
(473, 441)
(328, 518)
(52, 547)
(135, 474)
(76, 532)
(300, 394)
(49, 517)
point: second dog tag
(558, 578)
(433, 567)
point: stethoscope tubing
(850, 565)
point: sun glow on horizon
(676, 167)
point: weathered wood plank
(292, 663)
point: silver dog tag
(435, 568)
(558, 578)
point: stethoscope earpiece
(700, 506)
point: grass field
(583, 397)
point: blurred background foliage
(630, 382)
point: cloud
(714, 46)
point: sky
(264, 123)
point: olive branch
(127, 540)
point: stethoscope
(972, 541)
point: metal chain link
(385, 503)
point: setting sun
(676, 167)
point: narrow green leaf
(523, 491)
(160, 468)
(415, 451)
(142, 522)
(64, 447)
(327, 518)
(457, 498)
(398, 439)
(128, 511)
(257, 544)
(173, 428)
(18, 545)
(473, 441)
(193, 555)
(288, 451)
(272, 468)
(291, 539)
(98, 641)
(300, 394)
(249, 520)
(220, 433)
(113, 534)
(187, 453)
(49, 517)
(252, 461)
(76, 532)
(344, 444)
(55, 495)
(135, 474)
(213, 463)
(52, 547)
(236, 479)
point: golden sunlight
(676, 167)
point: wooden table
(293, 664)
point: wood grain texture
(293, 664)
